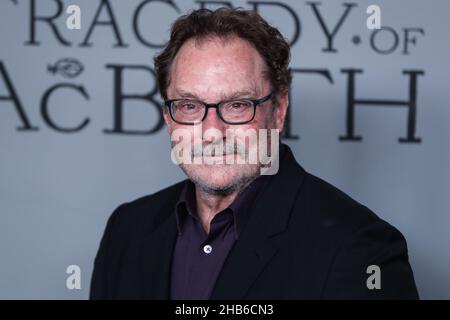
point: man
(230, 232)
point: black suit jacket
(304, 239)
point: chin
(221, 179)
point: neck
(209, 204)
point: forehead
(215, 65)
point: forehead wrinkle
(185, 85)
(251, 92)
(241, 48)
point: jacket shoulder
(333, 207)
(344, 238)
(334, 211)
(142, 211)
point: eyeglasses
(234, 111)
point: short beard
(239, 184)
(234, 187)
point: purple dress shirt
(198, 257)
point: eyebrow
(224, 96)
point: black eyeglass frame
(255, 102)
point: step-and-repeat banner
(81, 128)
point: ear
(281, 109)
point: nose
(212, 120)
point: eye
(237, 105)
(189, 106)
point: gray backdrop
(69, 156)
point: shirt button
(207, 249)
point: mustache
(222, 148)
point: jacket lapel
(158, 248)
(256, 245)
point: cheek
(266, 118)
(185, 136)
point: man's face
(212, 70)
